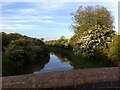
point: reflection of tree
(35, 67)
(66, 55)
(63, 58)
(11, 69)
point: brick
(81, 78)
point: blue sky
(48, 20)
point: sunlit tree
(114, 50)
(93, 27)
(96, 38)
(85, 17)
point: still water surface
(55, 64)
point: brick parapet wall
(80, 78)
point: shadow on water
(79, 61)
(26, 69)
(36, 66)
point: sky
(46, 19)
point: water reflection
(55, 64)
(61, 60)
(39, 65)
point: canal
(55, 64)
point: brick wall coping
(62, 79)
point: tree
(26, 50)
(91, 16)
(20, 51)
(114, 50)
(7, 38)
(62, 38)
(42, 39)
(93, 27)
(96, 38)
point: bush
(114, 50)
(21, 52)
(24, 51)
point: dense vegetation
(19, 51)
(94, 37)
(62, 42)
(114, 50)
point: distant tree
(62, 38)
(42, 39)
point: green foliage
(72, 40)
(62, 42)
(94, 38)
(7, 38)
(114, 50)
(22, 51)
(85, 17)
(93, 27)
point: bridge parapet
(80, 78)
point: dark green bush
(23, 51)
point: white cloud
(10, 27)
(47, 21)
(28, 11)
(5, 4)
(7, 28)
(50, 5)
(23, 25)
(23, 11)
(54, 22)
(17, 21)
(47, 17)
(19, 17)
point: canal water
(55, 64)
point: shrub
(114, 50)
(94, 39)
(21, 52)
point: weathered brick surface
(82, 78)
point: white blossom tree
(92, 39)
